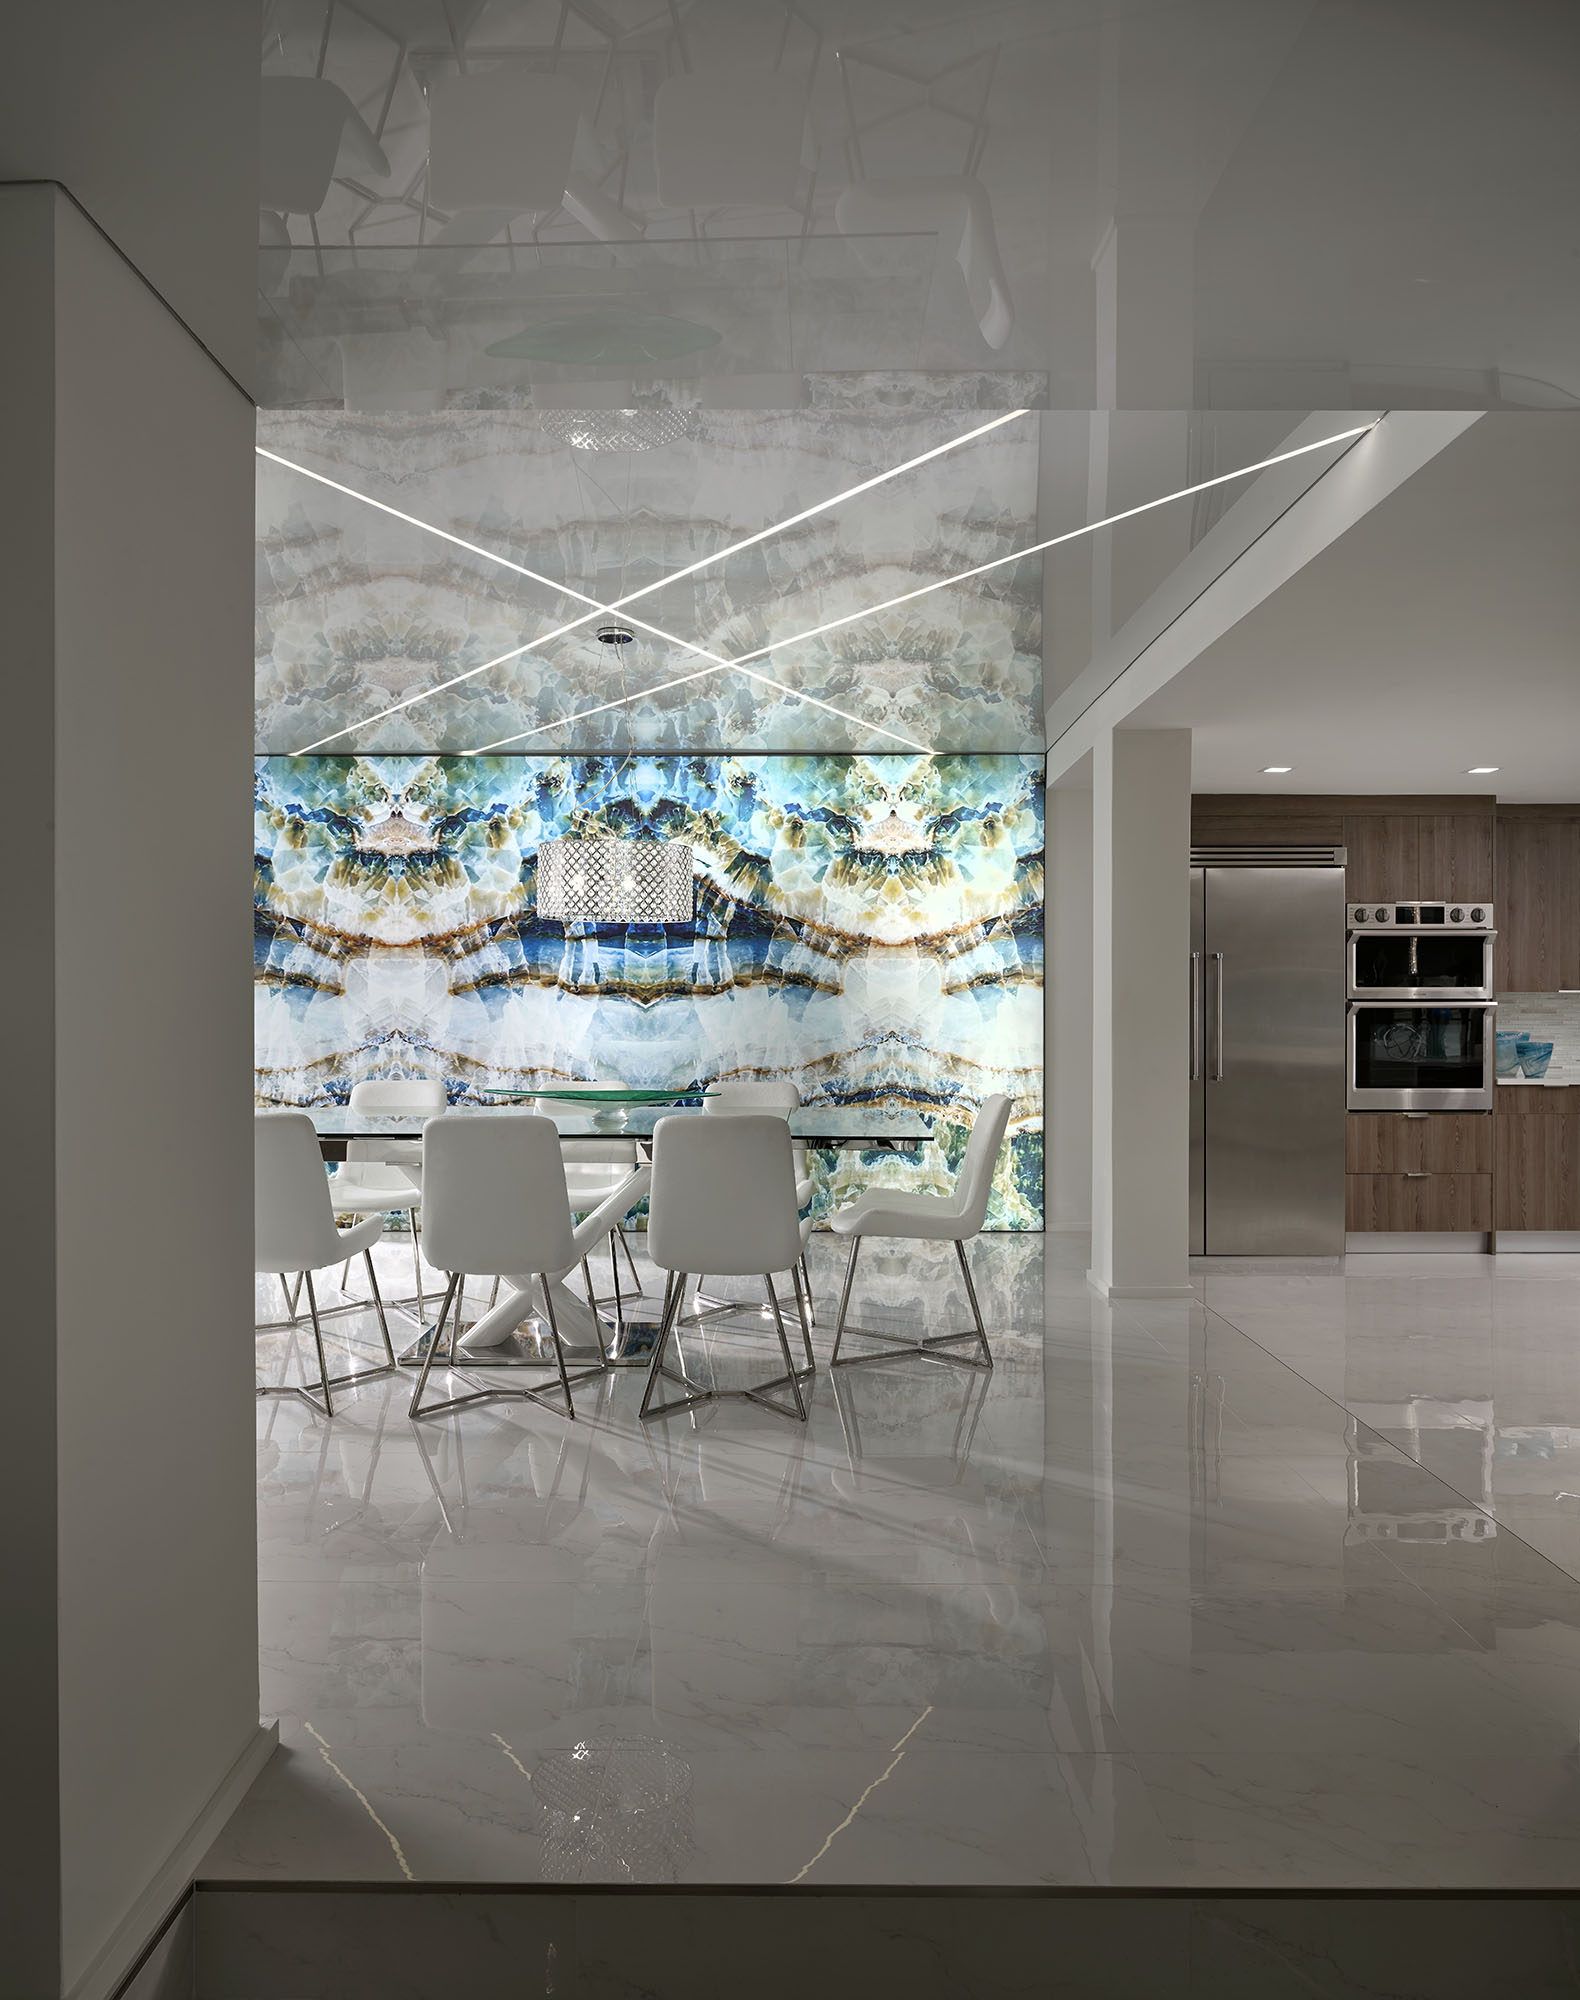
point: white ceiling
(1442, 631)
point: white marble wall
(1547, 1017)
(358, 610)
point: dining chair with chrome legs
(494, 1193)
(294, 1231)
(928, 1218)
(723, 1201)
(783, 1097)
(384, 1176)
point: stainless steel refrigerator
(1267, 1058)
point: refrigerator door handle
(1216, 959)
(1196, 1025)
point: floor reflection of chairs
(881, 1394)
(500, 1587)
(909, 1482)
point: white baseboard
(1538, 1240)
(170, 1882)
(1107, 1291)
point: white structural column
(129, 1669)
(1140, 1009)
(130, 1662)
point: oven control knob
(1382, 916)
(1456, 916)
(1478, 916)
(1360, 916)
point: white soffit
(1215, 589)
(1441, 631)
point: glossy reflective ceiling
(1248, 203)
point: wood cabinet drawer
(1433, 1142)
(1418, 1200)
(1539, 1173)
(1556, 1100)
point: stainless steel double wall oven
(1421, 1015)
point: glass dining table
(835, 1127)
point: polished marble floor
(1277, 1587)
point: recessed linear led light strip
(565, 590)
(1055, 541)
(944, 583)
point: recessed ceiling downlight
(1277, 770)
(1481, 770)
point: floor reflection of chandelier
(619, 430)
(615, 881)
(614, 1812)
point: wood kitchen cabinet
(1383, 857)
(1538, 1159)
(1456, 857)
(1403, 1142)
(1417, 1201)
(1537, 901)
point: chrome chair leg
(384, 1325)
(433, 1346)
(844, 1300)
(636, 1279)
(416, 1266)
(806, 1280)
(803, 1315)
(318, 1341)
(976, 1310)
(674, 1295)
(455, 1359)
(794, 1380)
(932, 1346)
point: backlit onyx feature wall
(868, 927)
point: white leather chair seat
(361, 1185)
(894, 1212)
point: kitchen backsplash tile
(1549, 1017)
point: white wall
(30, 1827)
(1140, 1009)
(147, 110)
(133, 649)
(1068, 987)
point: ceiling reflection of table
(844, 1128)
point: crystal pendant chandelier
(620, 430)
(615, 881)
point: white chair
(733, 136)
(294, 1230)
(384, 1176)
(310, 131)
(497, 1208)
(928, 1218)
(960, 211)
(723, 1201)
(782, 1097)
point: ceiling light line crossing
(1053, 542)
(599, 609)
(1089, 528)
(567, 590)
